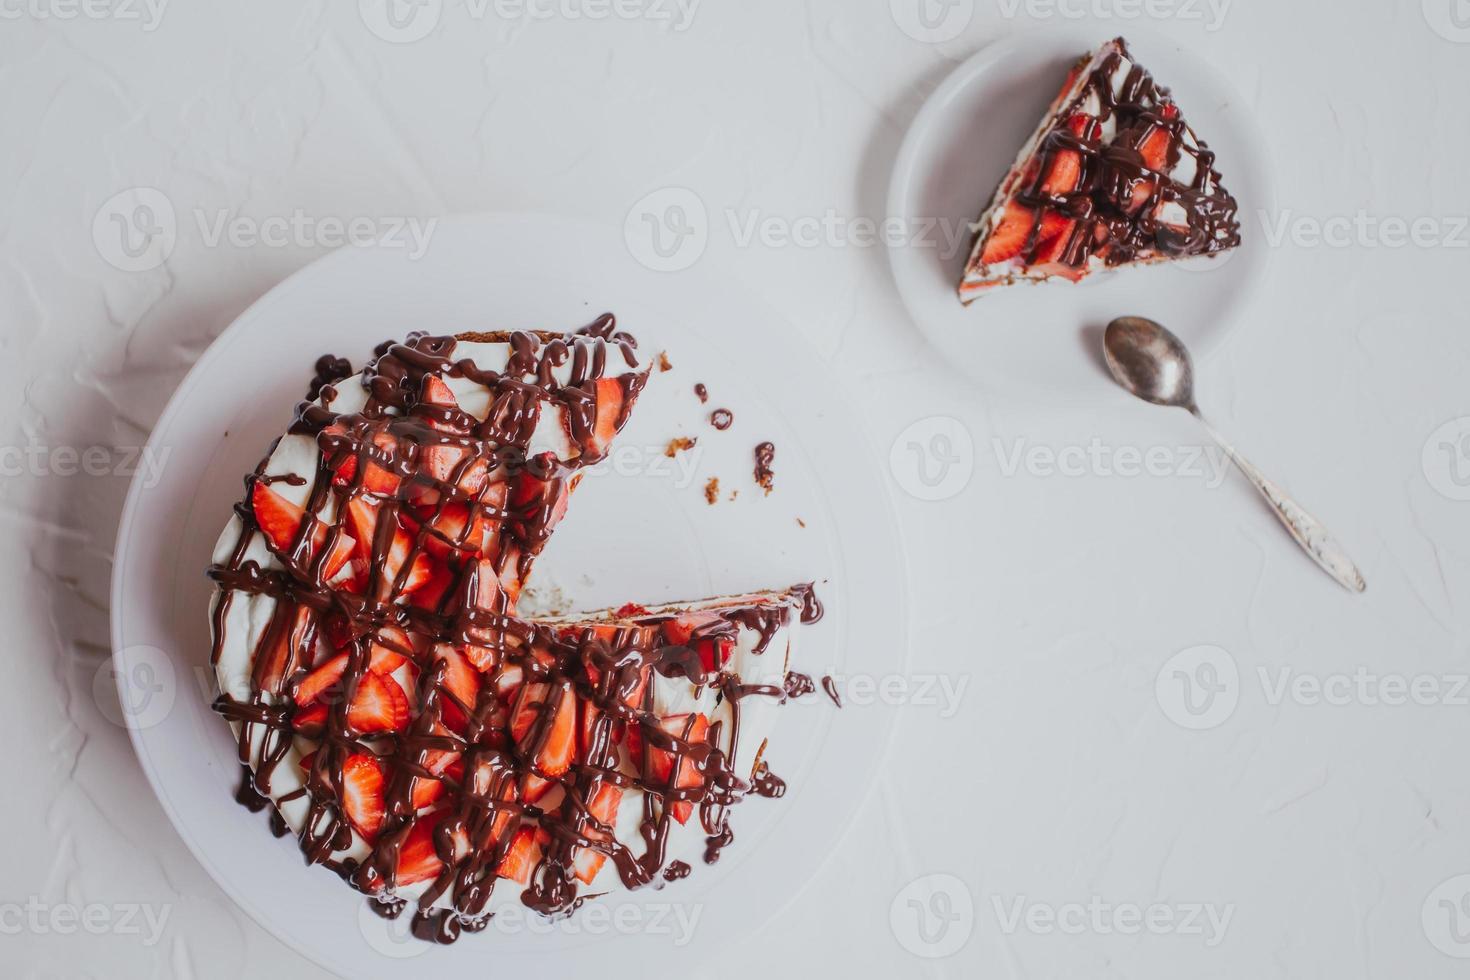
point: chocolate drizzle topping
(507, 755)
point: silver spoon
(1153, 364)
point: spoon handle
(1315, 539)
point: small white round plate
(639, 530)
(1047, 337)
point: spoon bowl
(1149, 361)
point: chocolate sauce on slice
(406, 464)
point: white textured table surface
(1318, 821)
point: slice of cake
(1113, 176)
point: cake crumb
(664, 364)
(801, 522)
(679, 445)
(734, 494)
(702, 393)
(722, 419)
(712, 491)
(765, 455)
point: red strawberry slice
(436, 392)
(311, 721)
(280, 521)
(603, 807)
(558, 733)
(452, 530)
(510, 575)
(610, 398)
(378, 478)
(488, 597)
(362, 518)
(362, 794)
(1065, 172)
(1010, 235)
(383, 661)
(462, 682)
(693, 729)
(380, 705)
(523, 855)
(418, 859)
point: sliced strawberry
(362, 794)
(1063, 174)
(610, 398)
(452, 530)
(631, 610)
(603, 807)
(378, 478)
(1155, 147)
(280, 521)
(715, 653)
(510, 575)
(692, 729)
(383, 661)
(362, 518)
(460, 680)
(418, 859)
(379, 705)
(488, 597)
(436, 392)
(310, 721)
(558, 733)
(426, 792)
(430, 594)
(1009, 237)
(522, 856)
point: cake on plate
(403, 719)
(1113, 176)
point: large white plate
(635, 535)
(1048, 337)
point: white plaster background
(1056, 599)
